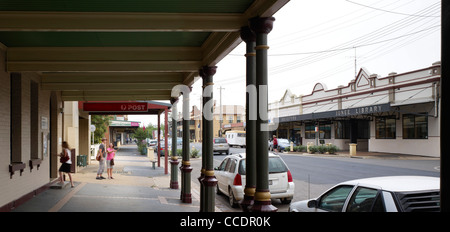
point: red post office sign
(115, 106)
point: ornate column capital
(208, 71)
(173, 100)
(247, 35)
(261, 25)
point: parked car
(231, 173)
(152, 142)
(283, 144)
(169, 143)
(221, 145)
(377, 194)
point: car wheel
(285, 201)
(233, 202)
(218, 192)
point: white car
(231, 178)
(377, 194)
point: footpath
(136, 187)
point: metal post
(166, 150)
(262, 27)
(174, 160)
(250, 112)
(186, 168)
(202, 172)
(159, 139)
(209, 180)
(445, 191)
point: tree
(101, 123)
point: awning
(364, 110)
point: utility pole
(220, 112)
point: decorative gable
(362, 79)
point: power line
(348, 48)
(393, 12)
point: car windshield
(220, 140)
(276, 165)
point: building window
(385, 127)
(310, 132)
(324, 131)
(415, 126)
(238, 118)
(342, 130)
(230, 118)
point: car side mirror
(312, 204)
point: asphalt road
(313, 175)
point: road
(313, 175)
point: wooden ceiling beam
(119, 21)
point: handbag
(98, 157)
(64, 159)
(111, 162)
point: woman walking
(66, 162)
(110, 160)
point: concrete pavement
(136, 187)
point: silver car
(221, 145)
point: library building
(398, 113)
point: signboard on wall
(115, 107)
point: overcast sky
(315, 41)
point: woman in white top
(66, 163)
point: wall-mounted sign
(115, 107)
(371, 109)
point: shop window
(415, 126)
(385, 127)
(342, 130)
(310, 132)
(324, 131)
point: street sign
(92, 128)
(115, 106)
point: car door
(220, 174)
(334, 200)
(366, 200)
(230, 172)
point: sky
(317, 41)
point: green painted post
(261, 27)
(209, 180)
(174, 159)
(250, 118)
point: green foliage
(331, 149)
(300, 148)
(313, 149)
(101, 123)
(194, 153)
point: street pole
(209, 181)
(262, 27)
(221, 113)
(250, 111)
(174, 159)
